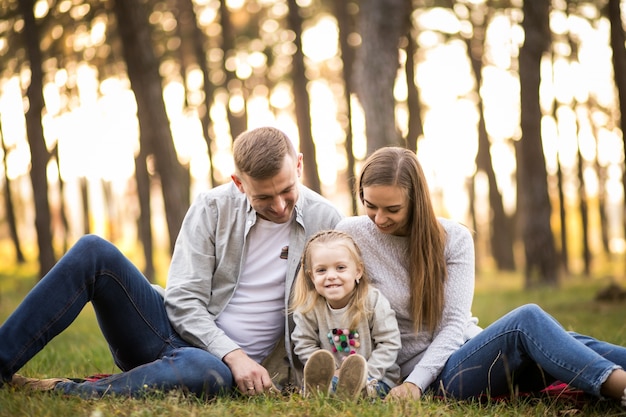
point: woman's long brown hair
(397, 166)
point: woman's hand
(405, 391)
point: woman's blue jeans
(527, 350)
(132, 317)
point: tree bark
(533, 201)
(144, 223)
(301, 99)
(155, 134)
(381, 24)
(84, 200)
(619, 72)
(416, 124)
(8, 203)
(62, 216)
(192, 36)
(344, 21)
(40, 155)
(500, 233)
(601, 173)
(238, 123)
(562, 214)
(584, 207)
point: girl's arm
(305, 335)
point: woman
(424, 265)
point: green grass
(81, 351)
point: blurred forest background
(114, 114)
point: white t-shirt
(255, 316)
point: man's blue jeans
(131, 315)
(527, 349)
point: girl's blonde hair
(398, 166)
(305, 297)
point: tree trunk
(416, 128)
(84, 199)
(344, 21)
(500, 233)
(237, 122)
(619, 72)
(532, 189)
(111, 219)
(63, 217)
(562, 215)
(561, 197)
(601, 173)
(8, 203)
(155, 134)
(192, 36)
(144, 223)
(584, 207)
(40, 155)
(301, 99)
(381, 24)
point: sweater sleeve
(305, 336)
(385, 339)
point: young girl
(346, 333)
(424, 265)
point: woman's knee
(530, 312)
(532, 317)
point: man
(223, 312)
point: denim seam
(167, 340)
(48, 325)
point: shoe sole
(318, 373)
(352, 377)
(35, 384)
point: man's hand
(250, 377)
(406, 391)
